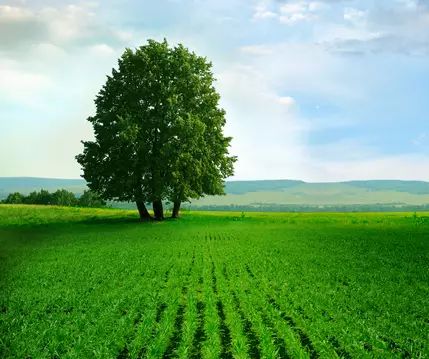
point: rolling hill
(272, 194)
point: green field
(85, 283)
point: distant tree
(42, 197)
(14, 198)
(31, 198)
(90, 199)
(60, 197)
(158, 131)
(63, 197)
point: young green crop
(85, 283)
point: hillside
(272, 194)
(27, 184)
(263, 193)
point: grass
(96, 283)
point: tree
(42, 197)
(14, 198)
(63, 197)
(90, 199)
(158, 131)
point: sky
(313, 90)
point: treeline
(314, 208)
(60, 197)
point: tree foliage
(158, 130)
(63, 197)
(41, 197)
(60, 197)
(15, 198)
(90, 199)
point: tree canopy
(60, 197)
(158, 131)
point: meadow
(96, 283)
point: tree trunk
(143, 212)
(158, 211)
(176, 209)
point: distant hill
(272, 194)
(241, 187)
(416, 187)
(26, 185)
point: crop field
(93, 283)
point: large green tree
(158, 131)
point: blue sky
(313, 90)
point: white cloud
(62, 53)
(394, 27)
(123, 35)
(47, 52)
(45, 150)
(399, 27)
(69, 23)
(14, 13)
(272, 143)
(21, 86)
(267, 135)
(355, 16)
(102, 50)
(317, 6)
(62, 25)
(354, 159)
(294, 8)
(289, 13)
(291, 19)
(309, 68)
(412, 167)
(261, 12)
(286, 100)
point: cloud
(45, 150)
(355, 16)
(302, 67)
(102, 50)
(289, 13)
(399, 26)
(284, 86)
(19, 26)
(261, 12)
(13, 13)
(53, 60)
(380, 44)
(45, 48)
(22, 86)
(46, 52)
(270, 137)
(413, 166)
(63, 26)
(286, 100)
(395, 27)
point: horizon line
(243, 180)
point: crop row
(215, 289)
(225, 310)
